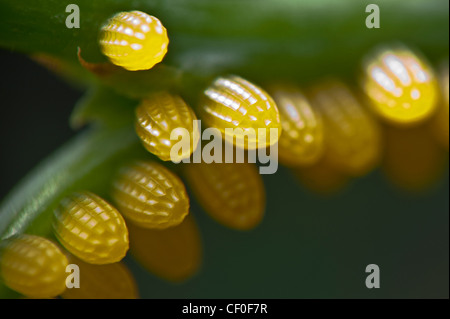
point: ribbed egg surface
(151, 196)
(165, 124)
(33, 266)
(232, 193)
(91, 229)
(134, 40)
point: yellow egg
(134, 40)
(440, 123)
(413, 160)
(301, 142)
(112, 281)
(91, 229)
(174, 254)
(401, 85)
(232, 193)
(352, 135)
(33, 266)
(160, 116)
(322, 178)
(245, 114)
(151, 196)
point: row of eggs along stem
(328, 136)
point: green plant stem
(260, 40)
(87, 162)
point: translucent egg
(91, 229)
(33, 266)
(440, 123)
(322, 178)
(150, 195)
(401, 85)
(302, 139)
(413, 160)
(174, 254)
(164, 115)
(112, 281)
(134, 40)
(245, 114)
(232, 193)
(352, 135)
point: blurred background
(308, 245)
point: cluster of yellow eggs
(327, 134)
